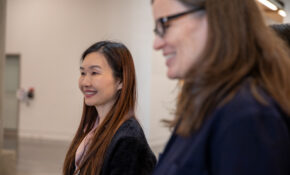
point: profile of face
(184, 39)
(97, 81)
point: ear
(119, 85)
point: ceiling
(273, 16)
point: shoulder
(130, 129)
(247, 118)
(251, 130)
(128, 137)
(245, 107)
(129, 152)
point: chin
(88, 103)
(172, 76)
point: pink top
(82, 149)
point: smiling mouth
(169, 59)
(169, 56)
(90, 94)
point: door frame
(5, 131)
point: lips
(169, 58)
(89, 93)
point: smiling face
(97, 82)
(185, 37)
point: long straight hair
(240, 47)
(121, 62)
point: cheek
(196, 42)
(110, 87)
(201, 35)
(102, 83)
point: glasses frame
(163, 20)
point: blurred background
(41, 42)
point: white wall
(163, 100)
(50, 36)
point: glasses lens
(159, 30)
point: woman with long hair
(109, 139)
(232, 113)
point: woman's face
(185, 37)
(97, 82)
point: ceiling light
(269, 4)
(282, 13)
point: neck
(103, 110)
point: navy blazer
(243, 137)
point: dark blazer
(129, 152)
(243, 137)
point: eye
(83, 73)
(166, 25)
(95, 73)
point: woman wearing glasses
(109, 140)
(232, 114)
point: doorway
(11, 105)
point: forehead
(163, 8)
(95, 58)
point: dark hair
(121, 62)
(240, 47)
(283, 30)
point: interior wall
(2, 58)
(163, 94)
(50, 36)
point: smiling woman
(109, 139)
(233, 111)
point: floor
(41, 157)
(37, 157)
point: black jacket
(129, 152)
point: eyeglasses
(162, 23)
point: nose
(85, 81)
(158, 43)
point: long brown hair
(240, 47)
(121, 62)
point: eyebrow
(91, 67)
